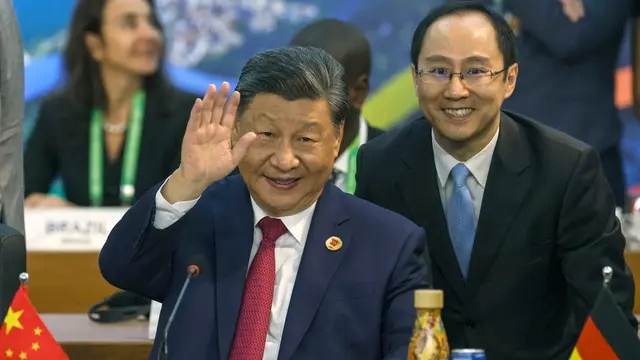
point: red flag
(23, 335)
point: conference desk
(62, 257)
(77, 283)
(66, 282)
(70, 282)
(82, 339)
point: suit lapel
(506, 188)
(317, 268)
(420, 190)
(233, 241)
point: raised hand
(207, 155)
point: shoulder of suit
(174, 102)
(59, 99)
(170, 97)
(58, 111)
(181, 97)
(226, 188)
(393, 138)
(377, 218)
(545, 138)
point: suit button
(470, 324)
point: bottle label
(429, 340)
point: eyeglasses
(471, 76)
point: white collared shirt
(341, 165)
(288, 253)
(478, 167)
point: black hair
(504, 34)
(295, 73)
(342, 40)
(84, 82)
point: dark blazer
(59, 146)
(567, 70)
(546, 229)
(354, 303)
(373, 132)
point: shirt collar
(342, 162)
(478, 165)
(297, 225)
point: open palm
(207, 155)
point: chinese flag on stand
(23, 335)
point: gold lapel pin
(333, 243)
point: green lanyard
(351, 169)
(131, 152)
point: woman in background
(115, 129)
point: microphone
(192, 271)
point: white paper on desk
(69, 229)
(154, 315)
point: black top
(59, 145)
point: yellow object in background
(394, 101)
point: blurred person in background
(347, 44)
(568, 51)
(115, 128)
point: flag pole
(607, 274)
(24, 279)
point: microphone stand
(163, 351)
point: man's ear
(510, 80)
(338, 141)
(414, 76)
(359, 91)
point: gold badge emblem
(333, 243)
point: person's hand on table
(39, 200)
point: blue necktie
(460, 217)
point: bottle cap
(429, 299)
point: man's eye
(475, 71)
(438, 71)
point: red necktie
(255, 313)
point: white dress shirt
(478, 167)
(288, 252)
(341, 165)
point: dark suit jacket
(59, 146)
(373, 132)
(354, 303)
(567, 70)
(546, 229)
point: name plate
(69, 229)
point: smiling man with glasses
(519, 217)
